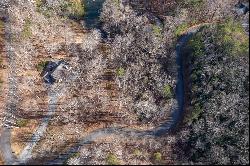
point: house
(54, 71)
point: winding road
(128, 132)
(100, 133)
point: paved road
(26, 153)
(100, 133)
(54, 92)
(5, 147)
(127, 132)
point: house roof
(54, 70)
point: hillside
(124, 82)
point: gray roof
(55, 70)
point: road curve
(164, 129)
(127, 132)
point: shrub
(72, 155)
(141, 116)
(38, 4)
(76, 154)
(26, 32)
(22, 122)
(116, 2)
(1, 60)
(157, 30)
(112, 159)
(167, 90)
(181, 29)
(47, 12)
(197, 45)
(120, 72)
(137, 153)
(226, 140)
(195, 113)
(41, 65)
(1, 24)
(1, 82)
(157, 156)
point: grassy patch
(167, 91)
(194, 3)
(231, 38)
(157, 30)
(22, 122)
(112, 159)
(41, 65)
(26, 32)
(40, 7)
(181, 29)
(73, 8)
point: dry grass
(19, 136)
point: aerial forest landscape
(124, 82)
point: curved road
(100, 133)
(127, 132)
